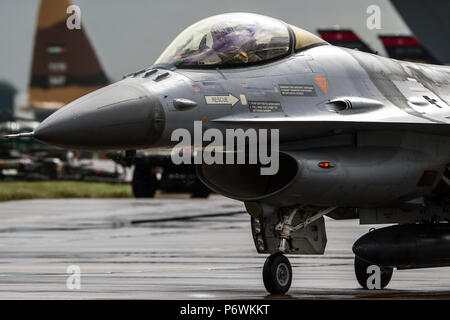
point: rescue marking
(229, 99)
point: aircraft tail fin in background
(406, 48)
(344, 38)
(65, 65)
(429, 22)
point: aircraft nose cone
(117, 117)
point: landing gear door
(309, 240)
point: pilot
(249, 48)
(233, 47)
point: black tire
(277, 274)
(199, 190)
(362, 276)
(144, 182)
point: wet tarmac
(172, 247)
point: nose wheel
(277, 274)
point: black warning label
(304, 90)
(265, 106)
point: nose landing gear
(277, 270)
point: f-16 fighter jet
(351, 135)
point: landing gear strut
(277, 271)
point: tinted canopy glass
(227, 40)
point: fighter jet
(359, 136)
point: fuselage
(374, 113)
(296, 89)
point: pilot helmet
(220, 30)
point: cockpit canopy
(235, 39)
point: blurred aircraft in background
(406, 48)
(64, 68)
(429, 22)
(400, 47)
(345, 38)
